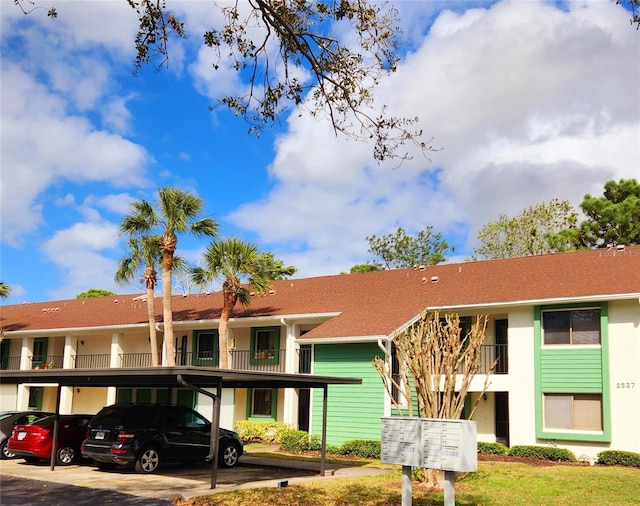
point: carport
(194, 378)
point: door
(304, 405)
(502, 417)
(501, 329)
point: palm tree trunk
(167, 312)
(223, 349)
(153, 335)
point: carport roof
(168, 377)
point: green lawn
(495, 483)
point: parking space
(171, 480)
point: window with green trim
(571, 327)
(573, 412)
(205, 348)
(262, 403)
(265, 345)
(35, 397)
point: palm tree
(143, 252)
(241, 267)
(5, 290)
(176, 213)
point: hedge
(265, 432)
(492, 448)
(543, 452)
(619, 458)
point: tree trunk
(229, 301)
(153, 335)
(167, 311)
(223, 349)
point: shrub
(492, 448)
(543, 452)
(619, 458)
(332, 450)
(361, 448)
(298, 441)
(266, 432)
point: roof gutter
(342, 339)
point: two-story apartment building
(565, 329)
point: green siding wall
(572, 370)
(575, 371)
(353, 411)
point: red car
(33, 441)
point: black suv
(148, 434)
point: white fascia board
(342, 339)
(74, 330)
(261, 320)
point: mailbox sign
(449, 445)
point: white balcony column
(26, 352)
(290, 408)
(116, 350)
(69, 353)
(22, 398)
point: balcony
(10, 364)
(46, 362)
(489, 354)
(102, 361)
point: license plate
(22, 435)
(100, 435)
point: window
(573, 411)
(205, 347)
(261, 403)
(39, 357)
(265, 344)
(35, 397)
(575, 327)
(4, 354)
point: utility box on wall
(448, 445)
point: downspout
(383, 348)
(214, 442)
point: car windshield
(5, 415)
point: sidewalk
(253, 471)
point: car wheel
(32, 460)
(106, 466)
(5, 453)
(65, 455)
(229, 454)
(148, 460)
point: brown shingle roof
(368, 304)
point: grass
(495, 483)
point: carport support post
(324, 430)
(56, 422)
(214, 442)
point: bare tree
(438, 363)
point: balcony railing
(46, 362)
(135, 360)
(102, 361)
(10, 363)
(258, 360)
(488, 355)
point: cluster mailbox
(448, 445)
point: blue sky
(528, 100)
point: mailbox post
(442, 444)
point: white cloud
(43, 144)
(529, 102)
(78, 254)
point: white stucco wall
(522, 421)
(624, 371)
